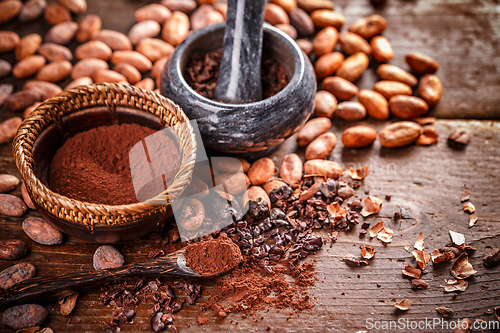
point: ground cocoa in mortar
(93, 166)
(213, 256)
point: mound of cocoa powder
(93, 166)
(213, 256)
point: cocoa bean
(76, 6)
(9, 10)
(154, 11)
(8, 40)
(28, 66)
(340, 87)
(24, 316)
(114, 39)
(81, 81)
(158, 66)
(28, 111)
(274, 14)
(61, 33)
(197, 189)
(6, 90)
(321, 147)
(234, 183)
(288, 29)
(205, 2)
(375, 103)
(394, 73)
(369, 26)
(87, 27)
(302, 22)
(421, 63)
(312, 5)
(46, 89)
(324, 42)
(192, 215)
(93, 49)
(325, 168)
(8, 129)
(147, 84)
(325, 104)
(287, 5)
(41, 231)
(154, 49)
(15, 274)
(32, 10)
(353, 67)
(492, 259)
(352, 43)
(5, 68)
(305, 45)
(26, 197)
(131, 73)
(257, 195)
(106, 256)
(399, 134)
(328, 64)
(133, 58)
(261, 170)
(325, 18)
(428, 137)
(221, 8)
(22, 99)
(291, 169)
(27, 46)
(358, 136)
(351, 111)
(460, 135)
(176, 28)
(407, 107)
(312, 129)
(381, 49)
(392, 88)
(204, 16)
(230, 164)
(144, 29)
(88, 67)
(430, 89)
(273, 184)
(55, 71)
(54, 52)
(56, 13)
(12, 249)
(109, 76)
(8, 182)
(185, 6)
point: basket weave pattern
(102, 94)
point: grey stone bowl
(249, 127)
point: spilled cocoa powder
(214, 256)
(93, 166)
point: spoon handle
(50, 289)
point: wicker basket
(103, 94)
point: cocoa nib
(492, 259)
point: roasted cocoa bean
(369, 26)
(117, 41)
(28, 66)
(353, 67)
(381, 49)
(11, 205)
(87, 27)
(394, 73)
(154, 49)
(88, 67)
(76, 6)
(133, 58)
(55, 71)
(93, 49)
(154, 11)
(106, 256)
(26, 197)
(32, 10)
(8, 182)
(312, 5)
(9, 10)
(273, 184)
(81, 81)
(492, 259)
(109, 76)
(41, 231)
(234, 183)
(230, 164)
(351, 111)
(204, 16)
(325, 18)
(375, 103)
(22, 99)
(421, 63)
(261, 170)
(274, 14)
(288, 29)
(61, 33)
(12, 249)
(185, 6)
(399, 134)
(53, 52)
(56, 13)
(302, 22)
(176, 28)
(291, 169)
(24, 316)
(430, 89)
(131, 73)
(406, 107)
(27, 46)
(305, 45)
(358, 136)
(328, 64)
(144, 29)
(15, 274)
(321, 147)
(288, 5)
(324, 42)
(392, 88)
(5, 68)
(325, 168)
(27, 112)
(147, 84)
(325, 104)
(312, 129)
(158, 66)
(46, 89)
(8, 40)
(192, 215)
(257, 202)
(428, 137)
(352, 43)
(197, 189)
(340, 87)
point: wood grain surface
(425, 184)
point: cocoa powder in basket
(93, 166)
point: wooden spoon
(51, 289)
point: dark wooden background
(425, 183)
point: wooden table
(425, 184)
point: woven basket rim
(48, 112)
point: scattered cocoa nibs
(492, 259)
(403, 305)
(461, 136)
(461, 268)
(202, 320)
(365, 225)
(397, 215)
(352, 261)
(419, 284)
(465, 196)
(388, 197)
(439, 257)
(444, 311)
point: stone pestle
(239, 78)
